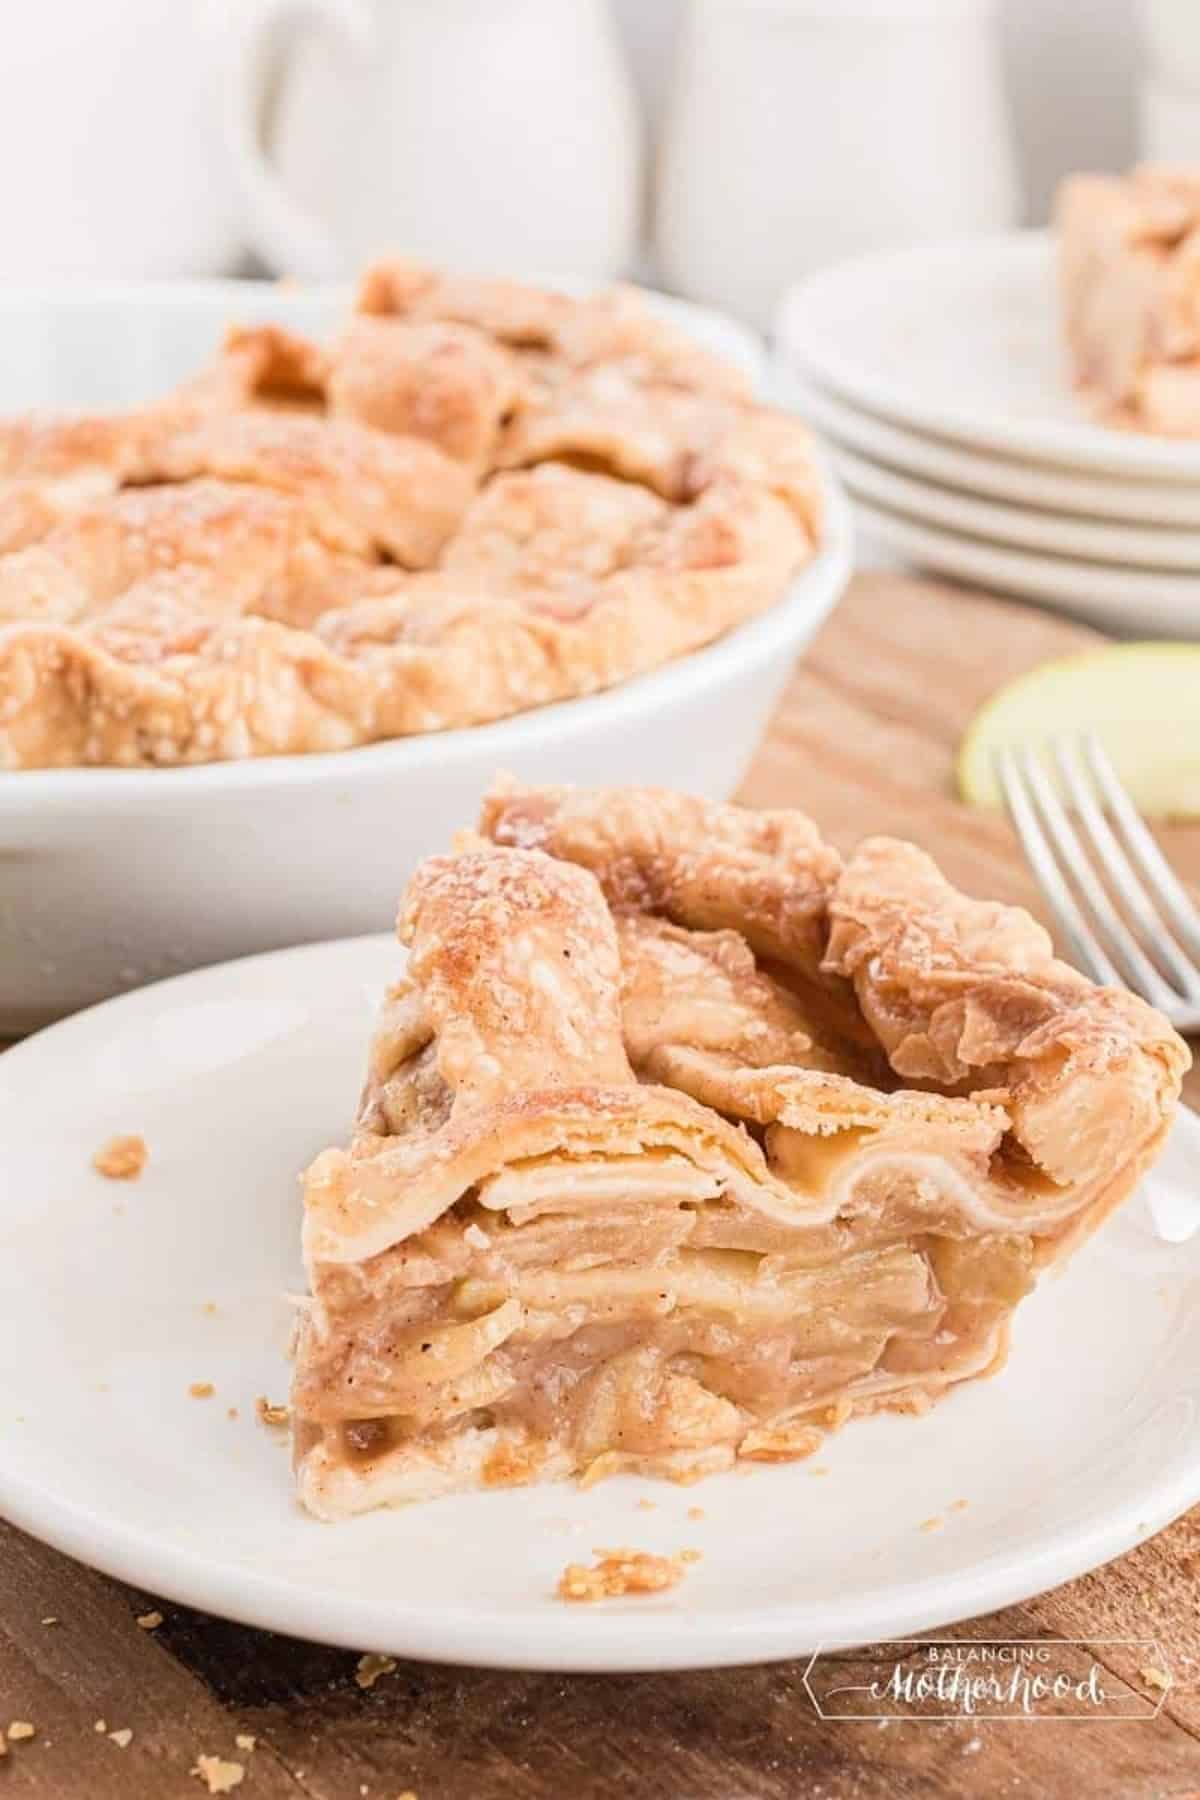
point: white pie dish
(114, 877)
(110, 877)
(116, 1297)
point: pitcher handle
(281, 230)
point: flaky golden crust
(417, 653)
(446, 383)
(308, 547)
(635, 1171)
(509, 311)
(963, 991)
(366, 491)
(766, 875)
(259, 366)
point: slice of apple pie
(683, 1141)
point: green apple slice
(1141, 700)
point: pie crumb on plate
(619, 1572)
(122, 1158)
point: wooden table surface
(864, 741)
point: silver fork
(1095, 855)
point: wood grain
(864, 740)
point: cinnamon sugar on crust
(121, 1158)
(637, 1184)
(620, 1572)
(307, 548)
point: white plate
(1089, 1441)
(1018, 527)
(1038, 486)
(962, 340)
(1128, 601)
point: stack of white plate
(936, 378)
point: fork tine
(1118, 941)
(1149, 859)
(1084, 944)
(1116, 865)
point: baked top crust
(682, 1139)
(478, 498)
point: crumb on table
(149, 1621)
(269, 1413)
(621, 1572)
(20, 1728)
(121, 1158)
(218, 1776)
(202, 1390)
(371, 1666)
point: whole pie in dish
(1129, 279)
(684, 1141)
(480, 497)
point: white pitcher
(495, 134)
(802, 131)
(110, 142)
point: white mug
(1171, 35)
(800, 132)
(110, 141)
(1168, 123)
(495, 134)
